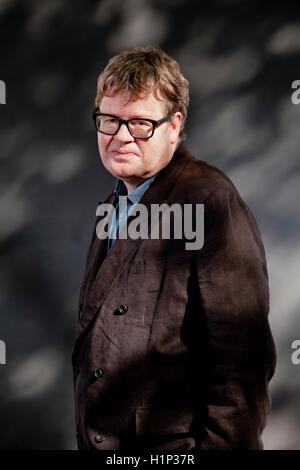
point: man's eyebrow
(134, 116)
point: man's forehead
(129, 96)
(126, 99)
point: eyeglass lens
(137, 127)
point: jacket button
(76, 371)
(98, 373)
(99, 438)
(121, 310)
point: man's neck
(131, 186)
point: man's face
(134, 160)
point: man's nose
(123, 134)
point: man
(173, 348)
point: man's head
(141, 83)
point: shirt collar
(137, 193)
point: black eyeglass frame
(126, 122)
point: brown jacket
(173, 347)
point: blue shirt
(132, 199)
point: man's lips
(124, 153)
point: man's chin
(124, 171)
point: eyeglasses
(138, 128)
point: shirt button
(121, 310)
(98, 373)
(99, 438)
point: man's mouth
(124, 153)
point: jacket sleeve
(226, 328)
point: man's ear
(175, 124)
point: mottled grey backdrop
(240, 58)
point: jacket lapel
(96, 254)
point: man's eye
(137, 123)
(109, 120)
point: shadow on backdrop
(240, 60)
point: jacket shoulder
(199, 180)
